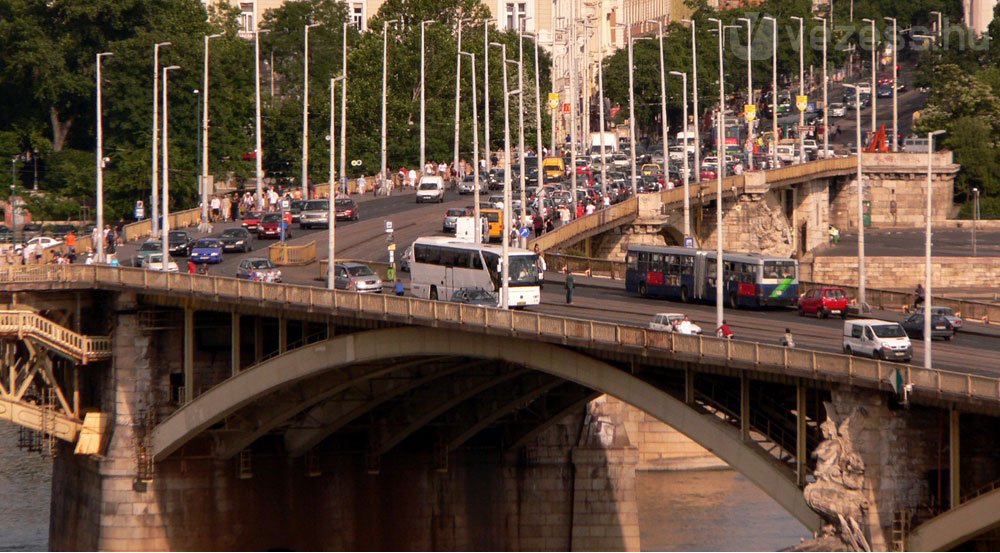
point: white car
(155, 263)
(43, 241)
(670, 322)
(837, 110)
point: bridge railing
(579, 226)
(85, 348)
(555, 328)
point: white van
(877, 339)
(686, 140)
(430, 189)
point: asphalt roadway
(975, 350)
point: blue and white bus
(686, 274)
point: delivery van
(877, 339)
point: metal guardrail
(84, 348)
(288, 254)
(541, 326)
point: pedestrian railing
(288, 254)
(521, 324)
(81, 347)
(602, 218)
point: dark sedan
(940, 326)
(236, 240)
(179, 243)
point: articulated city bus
(441, 265)
(686, 274)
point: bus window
(632, 260)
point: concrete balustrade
(84, 348)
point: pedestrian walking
(918, 295)
(569, 285)
(788, 340)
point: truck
(610, 143)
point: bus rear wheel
(734, 301)
(434, 293)
(685, 295)
(642, 289)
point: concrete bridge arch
(344, 354)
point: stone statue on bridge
(840, 474)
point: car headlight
(239, 242)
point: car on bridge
(824, 301)
(206, 250)
(451, 218)
(468, 185)
(940, 327)
(837, 109)
(948, 313)
(154, 262)
(475, 296)
(356, 277)
(671, 322)
(315, 213)
(179, 243)
(43, 241)
(295, 208)
(270, 226)
(877, 339)
(236, 239)
(346, 209)
(251, 220)
(258, 269)
(146, 249)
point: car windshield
(360, 270)
(835, 294)
(947, 311)
(206, 243)
(178, 235)
(889, 331)
(456, 212)
(477, 294)
(233, 233)
(297, 204)
(344, 202)
(261, 264)
(317, 205)
(428, 186)
(271, 218)
(150, 246)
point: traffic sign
(140, 209)
(688, 242)
(566, 107)
(801, 102)
(553, 100)
(524, 232)
(750, 112)
(388, 227)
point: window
(358, 16)
(855, 331)
(516, 14)
(247, 23)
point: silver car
(315, 213)
(356, 277)
(451, 218)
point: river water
(715, 510)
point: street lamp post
(895, 90)
(631, 111)
(331, 214)
(802, 90)
(874, 84)
(696, 114)
(860, 207)
(100, 162)
(305, 111)
(458, 97)
(720, 174)
(204, 134)
(663, 102)
(385, 63)
(423, 98)
(486, 95)
(826, 105)
(258, 147)
(155, 177)
(521, 241)
(975, 218)
(343, 108)
(478, 233)
(165, 130)
(937, 31)
(600, 108)
(687, 176)
(538, 135)
(927, 250)
(774, 90)
(750, 124)
(505, 255)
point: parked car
(146, 249)
(206, 250)
(913, 324)
(258, 268)
(43, 241)
(475, 296)
(346, 209)
(824, 302)
(451, 218)
(670, 322)
(356, 277)
(949, 313)
(316, 213)
(155, 263)
(270, 226)
(877, 339)
(251, 220)
(178, 243)
(236, 239)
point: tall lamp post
(861, 197)
(895, 89)
(774, 90)
(874, 84)
(486, 95)
(204, 133)
(165, 130)
(750, 124)
(505, 255)
(423, 97)
(521, 241)
(720, 174)
(258, 147)
(802, 89)
(385, 65)
(696, 114)
(631, 109)
(458, 96)
(100, 163)
(331, 214)
(927, 250)
(826, 85)
(665, 128)
(343, 107)
(937, 31)
(155, 177)
(305, 111)
(478, 233)
(687, 176)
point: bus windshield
(523, 269)
(779, 269)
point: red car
(824, 302)
(251, 220)
(270, 226)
